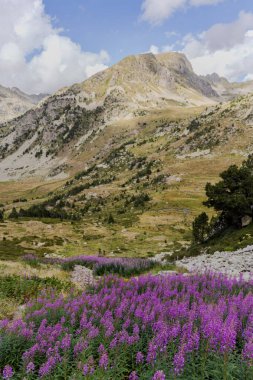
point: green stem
(225, 367)
(203, 364)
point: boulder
(246, 220)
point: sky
(49, 44)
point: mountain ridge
(49, 139)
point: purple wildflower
(178, 362)
(151, 356)
(103, 361)
(133, 376)
(86, 370)
(159, 375)
(101, 349)
(139, 357)
(7, 372)
(66, 342)
(30, 367)
(47, 367)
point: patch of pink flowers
(151, 327)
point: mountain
(33, 98)
(14, 102)
(45, 139)
(227, 90)
(56, 138)
(146, 81)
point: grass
(230, 240)
(20, 282)
(16, 290)
(23, 288)
(15, 268)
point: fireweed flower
(86, 370)
(133, 376)
(8, 372)
(139, 357)
(159, 375)
(80, 346)
(144, 317)
(103, 361)
(48, 366)
(66, 342)
(114, 342)
(101, 349)
(178, 362)
(151, 356)
(30, 367)
(247, 352)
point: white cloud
(197, 3)
(35, 56)
(154, 49)
(156, 11)
(225, 48)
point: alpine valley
(119, 162)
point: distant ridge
(14, 102)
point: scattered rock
(82, 276)
(237, 263)
(246, 220)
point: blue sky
(48, 44)
(116, 25)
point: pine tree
(14, 214)
(200, 228)
(110, 219)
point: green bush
(24, 288)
